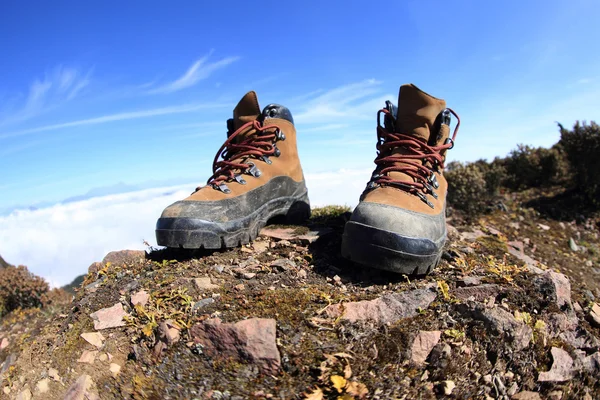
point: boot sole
(390, 251)
(192, 233)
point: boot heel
(298, 213)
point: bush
(582, 148)
(19, 288)
(467, 188)
(528, 167)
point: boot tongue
(247, 110)
(417, 112)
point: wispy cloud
(199, 70)
(58, 86)
(355, 101)
(179, 109)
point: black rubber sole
(190, 233)
(390, 251)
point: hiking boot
(400, 223)
(256, 176)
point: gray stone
(422, 346)
(572, 245)
(387, 309)
(202, 303)
(252, 340)
(477, 293)
(594, 315)
(81, 389)
(562, 367)
(111, 317)
(502, 322)
(526, 395)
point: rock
(248, 275)
(543, 227)
(422, 346)
(477, 293)
(302, 274)
(202, 303)
(205, 284)
(283, 264)
(169, 332)
(103, 357)
(24, 395)
(559, 322)
(240, 287)
(530, 262)
(580, 338)
(514, 225)
(555, 287)
(594, 315)
(512, 389)
(115, 369)
(111, 317)
(141, 297)
(279, 233)
(88, 356)
(517, 245)
(472, 236)
(4, 343)
(589, 263)
(440, 356)
(260, 247)
(81, 389)
(526, 395)
(53, 373)
(124, 257)
(453, 233)
(314, 235)
(589, 364)
(555, 395)
(448, 387)
(93, 338)
(572, 245)
(562, 367)
(95, 267)
(387, 309)
(469, 281)
(43, 385)
(252, 340)
(501, 321)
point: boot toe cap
(400, 221)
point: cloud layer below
(61, 241)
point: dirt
(320, 357)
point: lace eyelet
(222, 187)
(279, 135)
(267, 160)
(277, 152)
(238, 178)
(253, 170)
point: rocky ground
(510, 313)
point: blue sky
(93, 94)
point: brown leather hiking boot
(259, 177)
(400, 223)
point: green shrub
(467, 188)
(582, 148)
(19, 288)
(528, 167)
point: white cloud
(61, 241)
(153, 112)
(198, 71)
(58, 86)
(351, 102)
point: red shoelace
(416, 149)
(255, 145)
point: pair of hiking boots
(399, 224)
